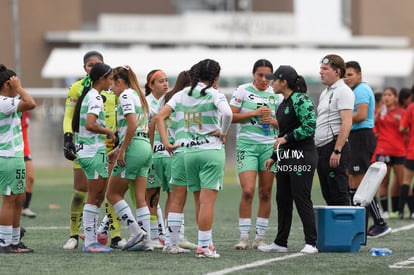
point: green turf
(49, 231)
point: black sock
(394, 203)
(27, 201)
(403, 197)
(384, 203)
(375, 213)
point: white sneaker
(27, 212)
(157, 244)
(119, 244)
(273, 248)
(142, 246)
(309, 249)
(186, 244)
(174, 249)
(71, 244)
(385, 215)
(243, 244)
(258, 242)
(207, 253)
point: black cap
(284, 72)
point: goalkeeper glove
(69, 147)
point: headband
(154, 75)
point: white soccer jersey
(197, 117)
(88, 143)
(130, 103)
(153, 103)
(248, 98)
(11, 139)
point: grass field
(49, 231)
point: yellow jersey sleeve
(74, 93)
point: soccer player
(13, 100)
(254, 105)
(204, 118)
(133, 158)
(79, 179)
(88, 124)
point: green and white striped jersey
(130, 103)
(11, 139)
(88, 143)
(197, 117)
(248, 98)
(158, 147)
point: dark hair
(130, 78)
(378, 97)
(262, 63)
(5, 75)
(148, 90)
(300, 85)
(205, 70)
(90, 54)
(354, 65)
(183, 80)
(403, 94)
(393, 90)
(98, 70)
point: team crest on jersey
(151, 179)
(272, 100)
(287, 110)
(20, 185)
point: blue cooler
(340, 228)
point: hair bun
(2, 68)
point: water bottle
(266, 129)
(380, 252)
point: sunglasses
(327, 61)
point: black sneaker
(5, 249)
(20, 248)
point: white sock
(261, 227)
(90, 222)
(104, 226)
(161, 224)
(154, 227)
(204, 238)
(244, 227)
(175, 221)
(143, 220)
(6, 232)
(181, 236)
(15, 236)
(127, 218)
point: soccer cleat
(117, 242)
(207, 252)
(309, 249)
(385, 215)
(96, 248)
(28, 213)
(71, 244)
(157, 244)
(186, 244)
(243, 244)
(133, 240)
(393, 215)
(5, 249)
(174, 249)
(378, 231)
(273, 248)
(161, 237)
(258, 242)
(20, 248)
(142, 246)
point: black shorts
(362, 143)
(409, 164)
(390, 160)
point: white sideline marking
(254, 264)
(407, 227)
(404, 264)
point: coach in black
(295, 157)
